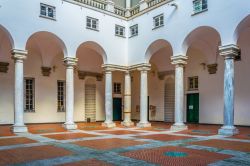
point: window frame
(118, 29)
(160, 19)
(59, 96)
(47, 12)
(91, 23)
(117, 88)
(136, 27)
(194, 80)
(29, 110)
(202, 4)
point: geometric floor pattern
(91, 144)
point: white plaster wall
(6, 84)
(70, 26)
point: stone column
(19, 56)
(108, 99)
(144, 98)
(229, 52)
(70, 63)
(179, 62)
(127, 101)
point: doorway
(117, 109)
(193, 108)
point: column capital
(19, 54)
(179, 60)
(229, 51)
(69, 61)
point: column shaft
(179, 62)
(108, 101)
(19, 126)
(229, 52)
(127, 101)
(69, 122)
(144, 100)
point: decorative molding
(179, 60)
(46, 71)
(162, 74)
(212, 68)
(230, 51)
(4, 67)
(83, 74)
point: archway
(203, 76)
(44, 79)
(242, 78)
(90, 103)
(6, 77)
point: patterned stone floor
(94, 145)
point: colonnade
(229, 52)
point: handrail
(120, 11)
(100, 4)
(134, 10)
(152, 3)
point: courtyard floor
(91, 144)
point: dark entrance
(117, 109)
(193, 108)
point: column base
(178, 127)
(109, 124)
(127, 124)
(228, 131)
(71, 126)
(19, 129)
(143, 125)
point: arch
(205, 37)
(95, 47)
(47, 44)
(156, 46)
(8, 35)
(242, 26)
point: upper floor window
(199, 6)
(29, 95)
(158, 21)
(193, 83)
(47, 11)
(92, 23)
(134, 30)
(119, 30)
(117, 88)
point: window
(193, 83)
(117, 88)
(47, 11)
(119, 30)
(29, 95)
(92, 23)
(61, 96)
(199, 6)
(134, 30)
(158, 21)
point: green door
(117, 109)
(193, 108)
